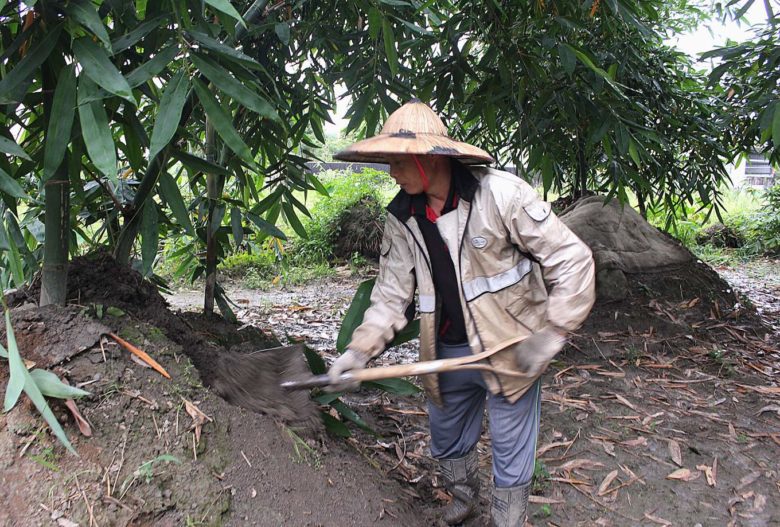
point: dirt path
(669, 417)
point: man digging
(494, 269)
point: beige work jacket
(518, 266)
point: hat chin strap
(425, 181)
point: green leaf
(63, 111)
(222, 302)
(394, 386)
(349, 413)
(98, 67)
(51, 386)
(171, 106)
(354, 315)
(374, 22)
(282, 30)
(224, 51)
(198, 164)
(334, 426)
(217, 216)
(11, 187)
(410, 332)
(266, 227)
(632, 151)
(316, 363)
(390, 51)
(236, 225)
(170, 193)
(17, 78)
(568, 58)
(776, 126)
(3, 353)
(149, 236)
(140, 31)
(152, 67)
(293, 221)
(222, 123)
(227, 8)
(16, 367)
(14, 257)
(84, 12)
(95, 130)
(227, 84)
(547, 173)
(12, 147)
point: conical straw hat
(413, 129)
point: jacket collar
(464, 182)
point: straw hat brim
(376, 149)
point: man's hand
(535, 353)
(350, 360)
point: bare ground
(663, 411)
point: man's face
(404, 171)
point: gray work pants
(457, 425)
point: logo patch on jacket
(478, 242)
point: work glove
(350, 360)
(533, 354)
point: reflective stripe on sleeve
(427, 303)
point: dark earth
(664, 410)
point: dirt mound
(166, 452)
(359, 230)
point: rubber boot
(461, 479)
(509, 506)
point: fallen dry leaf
(83, 424)
(606, 482)
(544, 500)
(708, 473)
(625, 402)
(770, 408)
(639, 441)
(198, 418)
(579, 463)
(656, 519)
(549, 446)
(684, 474)
(675, 453)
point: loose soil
(663, 411)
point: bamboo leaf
(354, 315)
(227, 8)
(51, 386)
(14, 258)
(170, 193)
(84, 12)
(223, 50)
(316, 363)
(11, 187)
(293, 221)
(410, 332)
(98, 67)
(171, 105)
(334, 426)
(64, 111)
(394, 386)
(266, 227)
(149, 236)
(16, 368)
(568, 58)
(152, 67)
(374, 22)
(12, 147)
(15, 79)
(95, 130)
(222, 123)
(236, 225)
(198, 164)
(227, 84)
(282, 30)
(139, 32)
(348, 413)
(390, 51)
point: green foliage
(36, 385)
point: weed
(145, 471)
(718, 356)
(545, 511)
(47, 459)
(632, 354)
(540, 478)
(303, 452)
